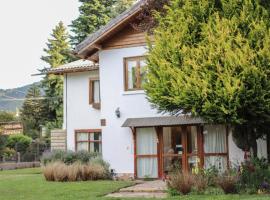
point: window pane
(97, 136)
(97, 147)
(192, 140)
(193, 163)
(82, 136)
(215, 139)
(218, 162)
(146, 141)
(82, 146)
(131, 73)
(96, 92)
(172, 140)
(147, 167)
(143, 71)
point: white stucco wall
(79, 114)
(236, 155)
(117, 141)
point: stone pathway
(147, 189)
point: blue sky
(25, 27)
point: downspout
(66, 107)
(66, 102)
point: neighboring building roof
(76, 66)
(90, 42)
(162, 121)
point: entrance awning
(162, 121)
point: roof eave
(91, 44)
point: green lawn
(29, 184)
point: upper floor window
(94, 93)
(135, 71)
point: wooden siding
(128, 37)
(58, 140)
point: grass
(29, 184)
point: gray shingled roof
(91, 39)
(76, 66)
(162, 121)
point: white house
(106, 110)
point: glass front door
(172, 149)
(180, 149)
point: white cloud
(24, 29)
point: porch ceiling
(162, 121)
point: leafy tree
(57, 53)
(32, 112)
(211, 59)
(3, 144)
(19, 142)
(95, 14)
(7, 116)
(146, 20)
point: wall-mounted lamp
(117, 113)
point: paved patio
(147, 189)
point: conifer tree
(32, 112)
(57, 53)
(211, 59)
(120, 6)
(95, 14)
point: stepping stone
(147, 189)
(159, 195)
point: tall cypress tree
(57, 53)
(93, 15)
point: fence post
(18, 157)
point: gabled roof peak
(91, 42)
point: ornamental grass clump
(180, 182)
(228, 183)
(95, 169)
(200, 183)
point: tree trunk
(254, 148)
(268, 147)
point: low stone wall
(58, 140)
(21, 165)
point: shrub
(19, 142)
(68, 157)
(228, 183)
(180, 182)
(211, 174)
(9, 153)
(255, 176)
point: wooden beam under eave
(97, 46)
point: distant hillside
(8, 98)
